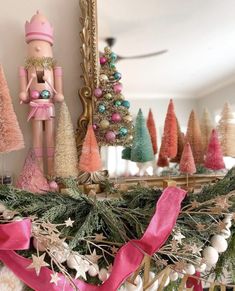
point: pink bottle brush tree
(214, 155)
(187, 164)
(11, 137)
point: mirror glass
(182, 50)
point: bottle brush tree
(66, 157)
(141, 150)
(226, 130)
(194, 137)
(169, 140)
(187, 164)
(11, 137)
(180, 144)
(31, 178)
(90, 160)
(152, 131)
(214, 155)
(206, 128)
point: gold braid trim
(46, 63)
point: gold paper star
(38, 263)
(200, 227)
(114, 250)
(55, 278)
(93, 257)
(216, 210)
(162, 262)
(69, 222)
(222, 202)
(195, 204)
(82, 269)
(195, 249)
(99, 237)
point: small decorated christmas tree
(141, 150)
(180, 144)
(226, 130)
(214, 156)
(194, 137)
(187, 164)
(90, 160)
(31, 178)
(66, 157)
(11, 137)
(169, 141)
(152, 131)
(112, 120)
(206, 128)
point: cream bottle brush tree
(66, 156)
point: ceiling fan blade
(119, 58)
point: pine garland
(123, 218)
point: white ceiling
(199, 34)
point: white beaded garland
(137, 287)
(210, 255)
(201, 268)
(155, 285)
(103, 274)
(93, 270)
(219, 243)
(228, 222)
(226, 233)
(173, 276)
(73, 261)
(190, 269)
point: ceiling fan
(110, 41)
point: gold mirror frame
(90, 78)
(89, 66)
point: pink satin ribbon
(127, 260)
(44, 108)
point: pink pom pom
(98, 92)
(53, 186)
(35, 94)
(116, 117)
(110, 136)
(117, 88)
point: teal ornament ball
(117, 76)
(108, 96)
(113, 57)
(126, 104)
(101, 108)
(118, 103)
(123, 131)
(112, 65)
(45, 94)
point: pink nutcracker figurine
(41, 86)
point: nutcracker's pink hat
(39, 28)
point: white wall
(64, 16)
(215, 100)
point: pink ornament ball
(103, 60)
(117, 88)
(35, 94)
(53, 186)
(110, 136)
(98, 92)
(116, 117)
(95, 127)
